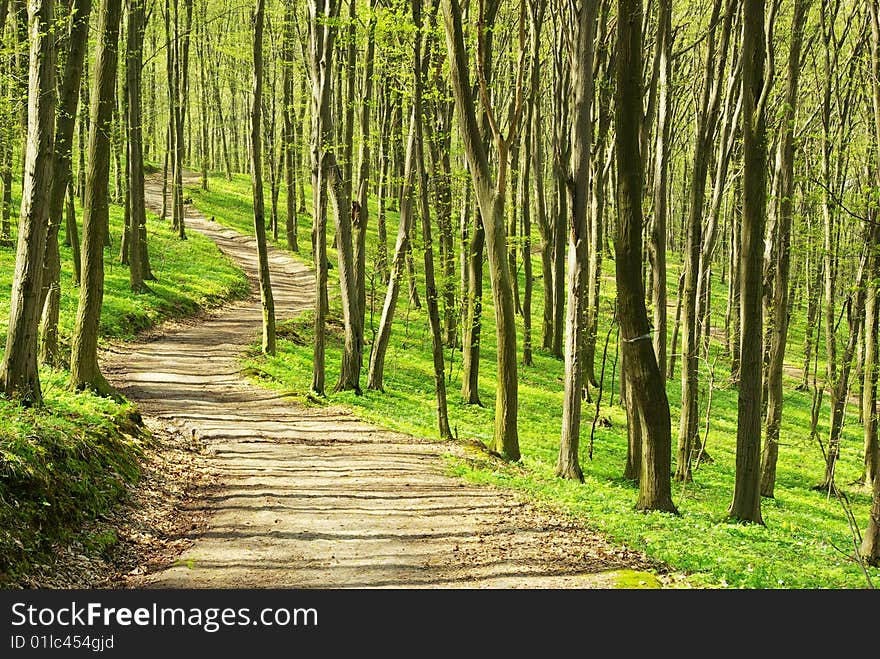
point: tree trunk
(780, 312)
(203, 90)
(425, 212)
(134, 55)
(84, 370)
(583, 27)
(375, 379)
(360, 219)
(50, 296)
(642, 372)
(746, 504)
(661, 174)
(266, 299)
(322, 34)
(19, 374)
(705, 133)
(70, 220)
(289, 146)
(490, 197)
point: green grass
(806, 542)
(70, 459)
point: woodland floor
(250, 489)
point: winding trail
(314, 498)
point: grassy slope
(70, 459)
(806, 543)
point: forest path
(314, 498)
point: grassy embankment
(806, 542)
(71, 459)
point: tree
(707, 116)
(756, 83)
(490, 193)
(256, 153)
(77, 43)
(85, 373)
(339, 187)
(425, 212)
(289, 147)
(642, 372)
(582, 21)
(780, 312)
(137, 25)
(19, 375)
(322, 34)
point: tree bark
(134, 55)
(642, 372)
(490, 196)
(746, 504)
(19, 374)
(583, 28)
(705, 133)
(85, 372)
(780, 311)
(661, 175)
(375, 379)
(322, 35)
(290, 160)
(65, 122)
(266, 299)
(431, 297)
(360, 219)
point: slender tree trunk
(134, 54)
(339, 184)
(322, 34)
(70, 220)
(425, 212)
(705, 133)
(642, 372)
(361, 211)
(600, 163)
(375, 379)
(780, 312)
(84, 370)
(289, 146)
(841, 385)
(266, 299)
(583, 28)
(661, 174)
(673, 350)
(746, 504)
(50, 297)
(490, 196)
(203, 91)
(19, 374)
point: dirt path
(315, 498)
